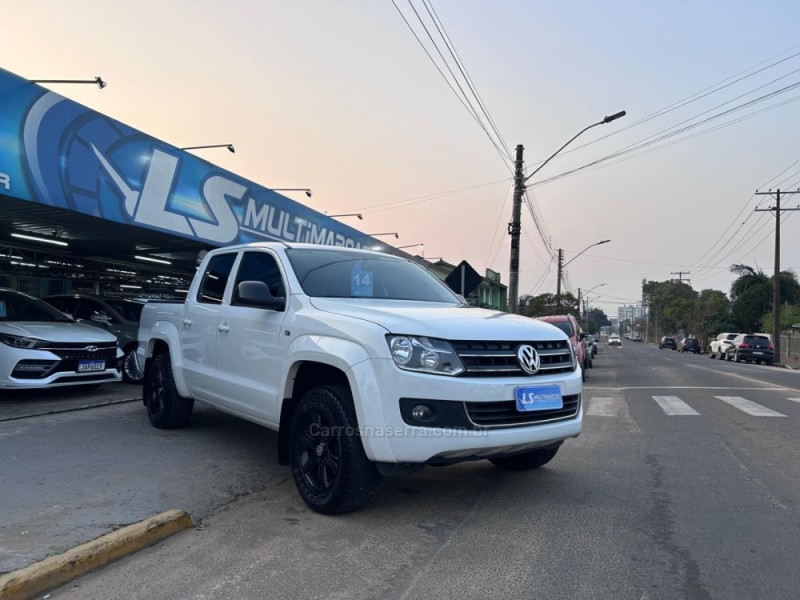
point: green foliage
(789, 316)
(752, 293)
(546, 304)
(595, 319)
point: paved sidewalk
(20, 404)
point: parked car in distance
(751, 347)
(41, 347)
(569, 325)
(119, 316)
(637, 337)
(719, 345)
(614, 340)
(591, 344)
(689, 345)
(667, 342)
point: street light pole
(515, 226)
(562, 267)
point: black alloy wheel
(131, 373)
(329, 465)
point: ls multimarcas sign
(56, 152)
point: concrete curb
(54, 571)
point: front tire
(166, 408)
(736, 357)
(329, 465)
(525, 461)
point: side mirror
(100, 318)
(257, 295)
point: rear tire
(525, 461)
(721, 356)
(166, 408)
(736, 357)
(329, 465)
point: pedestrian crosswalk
(615, 405)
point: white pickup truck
(365, 363)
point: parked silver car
(119, 316)
(42, 348)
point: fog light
(423, 413)
(429, 359)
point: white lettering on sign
(5, 180)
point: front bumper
(388, 437)
(38, 369)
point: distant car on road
(668, 342)
(751, 347)
(41, 347)
(614, 340)
(690, 345)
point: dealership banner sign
(56, 152)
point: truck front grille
(499, 359)
(505, 414)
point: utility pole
(515, 227)
(776, 283)
(558, 278)
(680, 275)
(514, 230)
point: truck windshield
(327, 273)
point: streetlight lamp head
(308, 193)
(100, 83)
(603, 242)
(614, 117)
(231, 148)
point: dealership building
(89, 204)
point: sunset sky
(341, 97)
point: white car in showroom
(41, 347)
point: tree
(752, 294)
(789, 316)
(545, 304)
(595, 319)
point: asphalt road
(684, 484)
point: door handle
(186, 322)
(223, 328)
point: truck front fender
(353, 361)
(166, 334)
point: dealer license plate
(544, 397)
(91, 365)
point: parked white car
(41, 347)
(719, 345)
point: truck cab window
(261, 266)
(212, 289)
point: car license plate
(758, 353)
(91, 365)
(545, 397)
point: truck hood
(445, 321)
(55, 331)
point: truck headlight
(16, 341)
(424, 354)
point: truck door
(198, 326)
(247, 344)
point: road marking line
(751, 408)
(607, 407)
(672, 405)
(794, 399)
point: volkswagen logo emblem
(91, 348)
(528, 359)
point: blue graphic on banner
(56, 152)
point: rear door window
(212, 288)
